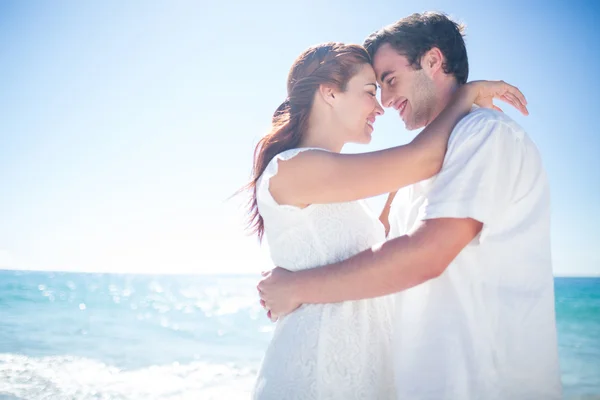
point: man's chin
(413, 127)
(410, 127)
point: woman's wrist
(468, 93)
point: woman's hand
(483, 94)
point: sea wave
(74, 378)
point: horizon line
(219, 273)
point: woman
(306, 198)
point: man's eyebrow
(384, 75)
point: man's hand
(277, 292)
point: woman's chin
(364, 138)
(368, 136)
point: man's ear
(328, 93)
(432, 62)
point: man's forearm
(396, 265)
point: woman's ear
(327, 93)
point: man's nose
(386, 98)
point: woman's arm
(319, 177)
(385, 213)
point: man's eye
(391, 81)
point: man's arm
(393, 266)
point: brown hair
(416, 34)
(328, 63)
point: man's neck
(445, 93)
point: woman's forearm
(385, 213)
(319, 177)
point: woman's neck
(324, 136)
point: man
(469, 249)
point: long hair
(329, 63)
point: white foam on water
(74, 378)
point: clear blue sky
(124, 126)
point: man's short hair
(416, 34)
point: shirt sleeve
(263, 192)
(478, 172)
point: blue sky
(126, 125)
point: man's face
(411, 92)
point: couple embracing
(448, 294)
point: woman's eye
(373, 94)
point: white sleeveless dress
(324, 351)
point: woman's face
(356, 108)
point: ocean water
(110, 336)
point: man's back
(485, 328)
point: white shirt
(485, 329)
